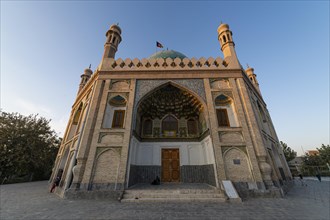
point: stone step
(176, 191)
(168, 192)
(175, 200)
(163, 195)
(174, 195)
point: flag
(159, 44)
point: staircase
(175, 192)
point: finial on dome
(90, 65)
(247, 65)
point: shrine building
(191, 122)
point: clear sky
(46, 45)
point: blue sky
(46, 45)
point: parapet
(110, 64)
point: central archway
(171, 127)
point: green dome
(167, 53)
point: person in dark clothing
(302, 180)
(156, 181)
(56, 181)
(318, 176)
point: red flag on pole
(159, 44)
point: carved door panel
(170, 165)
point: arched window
(118, 101)
(222, 116)
(262, 113)
(224, 38)
(118, 118)
(222, 102)
(147, 127)
(115, 113)
(118, 114)
(77, 115)
(170, 126)
(192, 126)
(75, 121)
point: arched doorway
(171, 139)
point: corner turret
(227, 45)
(85, 77)
(113, 40)
(253, 77)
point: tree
(28, 146)
(324, 153)
(288, 152)
(313, 164)
(320, 159)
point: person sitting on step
(156, 181)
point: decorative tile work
(188, 174)
(198, 174)
(143, 87)
(143, 174)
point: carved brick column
(213, 125)
(256, 137)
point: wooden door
(170, 165)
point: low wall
(198, 174)
(188, 174)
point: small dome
(88, 71)
(167, 53)
(115, 27)
(222, 28)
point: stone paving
(32, 201)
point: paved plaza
(32, 201)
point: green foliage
(324, 153)
(313, 164)
(318, 160)
(28, 146)
(288, 152)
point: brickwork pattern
(106, 169)
(241, 170)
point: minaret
(113, 39)
(253, 77)
(225, 37)
(84, 78)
